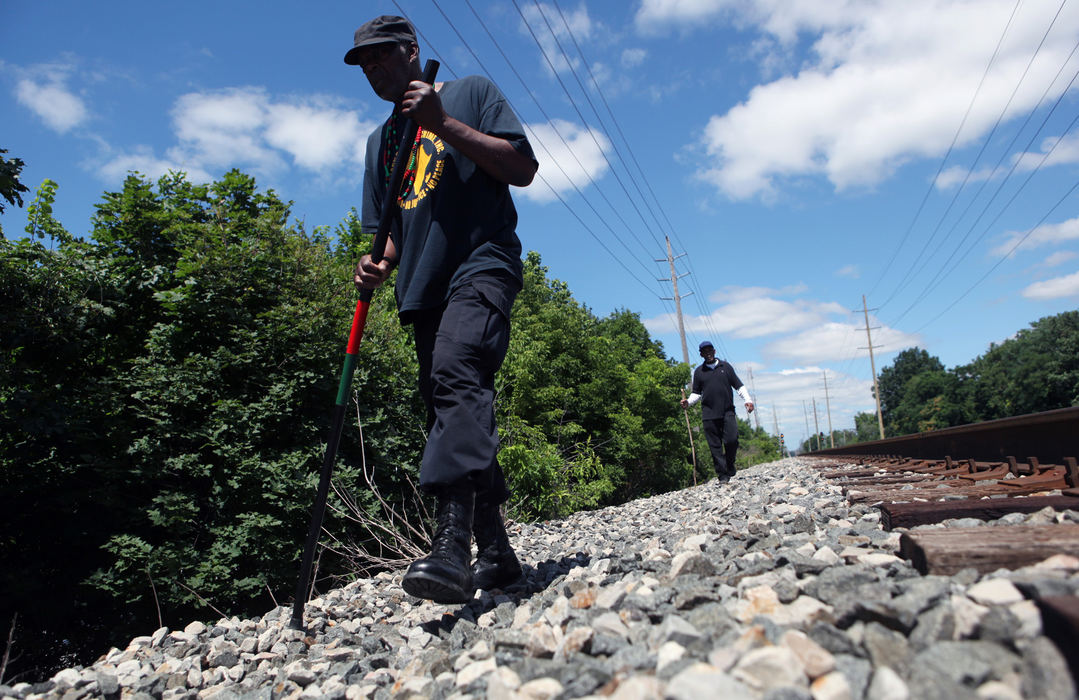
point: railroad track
(986, 471)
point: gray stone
(1045, 672)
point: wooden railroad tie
(987, 549)
(895, 515)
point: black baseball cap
(385, 29)
(704, 344)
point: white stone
(69, 677)
(691, 563)
(694, 543)
(770, 667)
(539, 689)
(994, 591)
(1064, 562)
(573, 642)
(638, 688)
(833, 686)
(878, 559)
(521, 615)
(481, 650)
(1030, 619)
(610, 623)
(475, 670)
(827, 556)
(850, 552)
(704, 681)
(558, 612)
(195, 628)
(502, 684)
(668, 653)
(967, 615)
(887, 685)
(611, 596)
(816, 660)
(543, 640)
(995, 690)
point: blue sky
(799, 153)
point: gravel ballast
(771, 586)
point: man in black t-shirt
(713, 383)
(455, 246)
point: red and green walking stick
(359, 320)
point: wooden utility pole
(828, 405)
(756, 414)
(816, 423)
(809, 442)
(677, 298)
(775, 423)
(873, 368)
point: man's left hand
(749, 406)
(422, 105)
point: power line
(924, 260)
(951, 146)
(1003, 209)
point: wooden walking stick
(692, 448)
(359, 320)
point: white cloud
(834, 342)
(224, 129)
(1046, 234)
(810, 331)
(142, 160)
(850, 271)
(1056, 288)
(546, 24)
(245, 127)
(785, 398)
(633, 57)
(317, 137)
(1056, 150)
(568, 155)
(1058, 258)
(657, 16)
(886, 82)
(752, 312)
(52, 101)
(958, 175)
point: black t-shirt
(716, 386)
(455, 221)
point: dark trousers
(722, 437)
(460, 348)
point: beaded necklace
(391, 144)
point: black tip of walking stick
(378, 248)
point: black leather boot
(444, 575)
(496, 565)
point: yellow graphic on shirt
(430, 160)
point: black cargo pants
(722, 437)
(460, 347)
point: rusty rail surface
(1049, 437)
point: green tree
(10, 187)
(755, 446)
(1037, 370)
(586, 405)
(166, 393)
(866, 427)
(892, 384)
